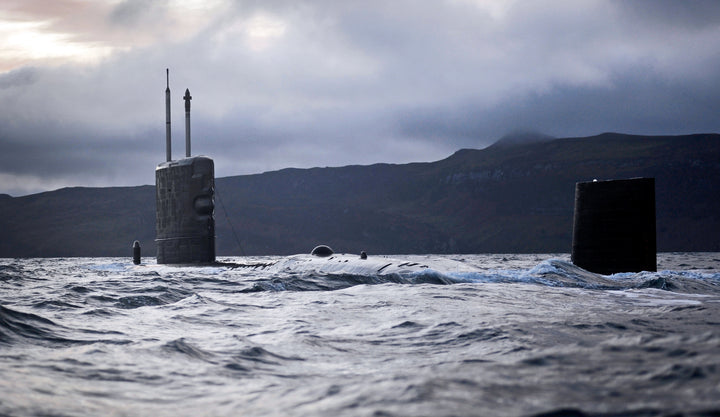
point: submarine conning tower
(614, 226)
(185, 204)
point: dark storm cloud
(691, 14)
(18, 78)
(136, 12)
(637, 103)
(281, 83)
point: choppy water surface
(526, 335)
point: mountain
(517, 196)
(522, 138)
(77, 222)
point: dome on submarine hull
(322, 251)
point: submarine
(185, 224)
(614, 225)
(324, 261)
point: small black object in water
(136, 252)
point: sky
(294, 83)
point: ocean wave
(16, 325)
(550, 273)
(461, 335)
(297, 273)
(154, 296)
(559, 273)
(187, 349)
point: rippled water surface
(511, 335)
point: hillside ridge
(513, 198)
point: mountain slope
(517, 197)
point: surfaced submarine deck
(327, 263)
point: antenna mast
(168, 148)
(187, 99)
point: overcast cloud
(293, 83)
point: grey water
(526, 335)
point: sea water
(523, 335)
